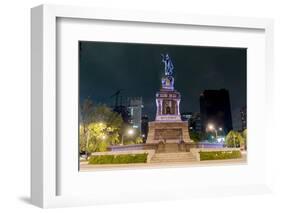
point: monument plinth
(168, 126)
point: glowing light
(220, 129)
(211, 126)
(220, 140)
(130, 132)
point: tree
(113, 123)
(234, 139)
(86, 114)
(133, 140)
(99, 127)
(138, 140)
(196, 137)
(244, 135)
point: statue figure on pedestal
(167, 80)
(168, 64)
(168, 128)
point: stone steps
(170, 148)
(176, 155)
(173, 157)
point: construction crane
(116, 95)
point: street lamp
(212, 128)
(130, 132)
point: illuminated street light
(129, 132)
(212, 128)
(220, 129)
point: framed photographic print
(151, 106)
(124, 123)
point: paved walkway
(85, 167)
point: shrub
(234, 139)
(197, 137)
(220, 155)
(101, 159)
(102, 146)
(244, 135)
(118, 159)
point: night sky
(136, 69)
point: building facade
(243, 113)
(123, 112)
(215, 109)
(135, 112)
(186, 116)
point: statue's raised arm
(168, 64)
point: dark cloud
(136, 69)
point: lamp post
(221, 131)
(129, 132)
(212, 128)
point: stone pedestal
(169, 132)
(168, 126)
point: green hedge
(220, 155)
(118, 159)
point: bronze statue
(168, 64)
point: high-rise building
(185, 116)
(215, 109)
(135, 111)
(243, 113)
(194, 122)
(123, 111)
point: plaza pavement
(85, 167)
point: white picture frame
(44, 150)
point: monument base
(168, 132)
